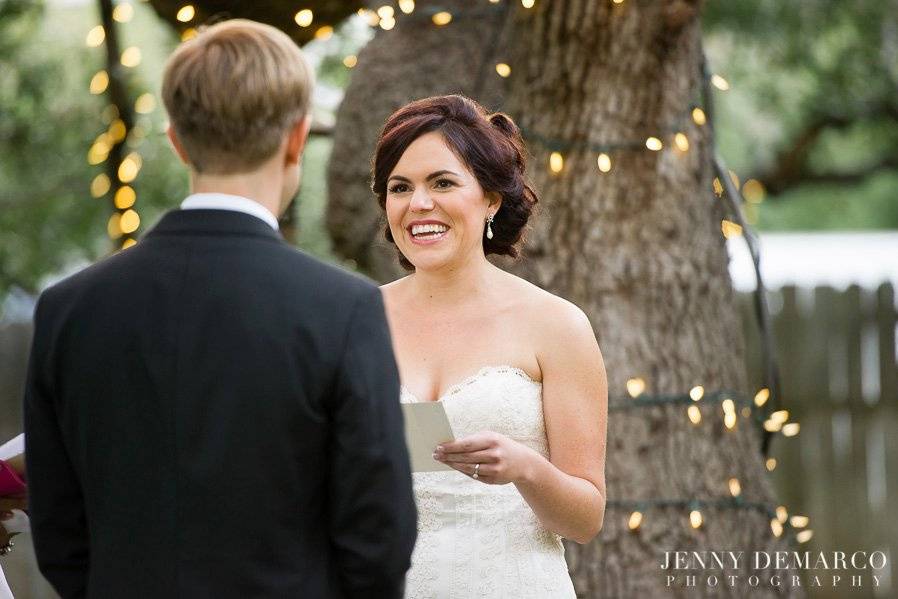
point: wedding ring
(476, 471)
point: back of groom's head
(233, 92)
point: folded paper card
(426, 426)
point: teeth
(430, 228)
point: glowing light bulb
(407, 6)
(130, 221)
(145, 104)
(130, 166)
(95, 36)
(654, 144)
(735, 487)
(695, 518)
(324, 33)
(304, 17)
(698, 116)
(804, 536)
(770, 464)
(791, 429)
(697, 392)
(123, 12)
(720, 83)
(503, 69)
(99, 82)
(695, 415)
(762, 396)
(442, 18)
(635, 520)
(113, 226)
(681, 141)
(604, 162)
(777, 527)
(528, 3)
(387, 24)
(350, 61)
(186, 13)
(131, 57)
(556, 162)
(130, 242)
(730, 229)
(781, 513)
(635, 386)
(799, 521)
(125, 197)
(100, 185)
(189, 34)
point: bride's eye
(399, 188)
(443, 184)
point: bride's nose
(421, 200)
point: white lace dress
(477, 540)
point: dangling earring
(489, 229)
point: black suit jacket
(212, 413)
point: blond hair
(232, 92)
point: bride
(518, 370)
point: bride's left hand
(502, 460)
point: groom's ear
(296, 140)
(176, 144)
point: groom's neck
(261, 187)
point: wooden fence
(837, 359)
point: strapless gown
(484, 541)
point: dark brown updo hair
(490, 146)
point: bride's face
(435, 206)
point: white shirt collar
(224, 201)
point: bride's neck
(453, 287)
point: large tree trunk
(638, 248)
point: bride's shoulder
(546, 308)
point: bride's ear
(495, 199)
(296, 140)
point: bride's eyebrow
(429, 177)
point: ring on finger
(476, 471)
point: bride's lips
(431, 241)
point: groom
(212, 413)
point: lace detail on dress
(479, 540)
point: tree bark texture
(639, 248)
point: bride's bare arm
(568, 492)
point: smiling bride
(518, 370)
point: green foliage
(48, 120)
(812, 111)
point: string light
(635, 520)
(131, 57)
(186, 13)
(791, 429)
(304, 17)
(123, 12)
(129, 221)
(145, 104)
(777, 527)
(681, 141)
(556, 162)
(804, 536)
(604, 162)
(100, 185)
(388, 23)
(754, 191)
(770, 464)
(324, 33)
(735, 487)
(407, 6)
(696, 393)
(113, 226)
(695, 414)
(130, 166)
(698, 116)
(188, 34)
(99, 82)
(442, 18)
(125, 197)
(762, 396)
(799, 521)
(635, 387)
(528, 3)
(95, 36)
(98, 153)
(782, 514)
(695, 518)
(350, 61)
(117, 131)
(730, 229)
(385, 12)
(503, 69)
(129, 243)
(654, 144)
(719, 82)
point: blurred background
(806, 119)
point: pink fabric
(10, 481)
